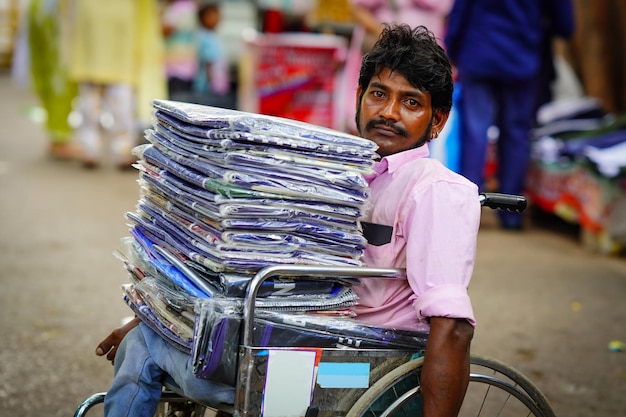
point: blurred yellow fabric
(119, 42)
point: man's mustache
(393, 126)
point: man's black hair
(416, 55)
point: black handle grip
(500, 201)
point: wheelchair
(354, 382)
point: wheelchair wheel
(495, 389)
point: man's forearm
(445, 374)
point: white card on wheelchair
(289, 383)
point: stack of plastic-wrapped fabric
(225, 193)
(580, 131)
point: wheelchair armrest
(304, 271)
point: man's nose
(391, 110)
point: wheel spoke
(495, 390)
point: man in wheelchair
(404, 96)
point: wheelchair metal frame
(387, 367)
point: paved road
(544, 304)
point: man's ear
(358, 94)
(439, 120)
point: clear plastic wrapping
(245, 246)
(216, 206)
(157, 323)
(218, 332)
(216, 118)
(233, 153)
(172, 308)
(225, 193)
(239, 183)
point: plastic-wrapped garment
(164, 240)
(288, 329)
(235, 260)
(247, 193)
(172, 308)
(184, 205)
(152, 263)
(261, 234)
(236, 285)
(175, 186)
(212, 140)
(210, 249)
(296, 232)
(216, 206)
(279, 164)
(140, 258)
(145, 313)
(255, 256)
(218, 331)
(216, 341)
(211, 256)
(154, 157)
(244, 184)
(212, 117)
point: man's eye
(412, 102)
(377, 94)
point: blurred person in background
(211, 85)
(180, 30)
(498, 49)
(280, 16)
(117, 61)
(553, 48)
(370, 16)
(45, 41)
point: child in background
(212, 82)
(180, 29)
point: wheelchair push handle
(499, 201)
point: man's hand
(445, 374)
(109, 345)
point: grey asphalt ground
(545, 304)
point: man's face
(396, 115)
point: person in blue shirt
(498, 50)
(212, 82)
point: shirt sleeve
(440, 229)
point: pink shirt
(435, 214)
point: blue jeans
(142, 361)
(509, 106)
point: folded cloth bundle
(216, 345)
(225, 193)
(235, 191)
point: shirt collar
(393, 162)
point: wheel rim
(497, 390)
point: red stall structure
(293, 75)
